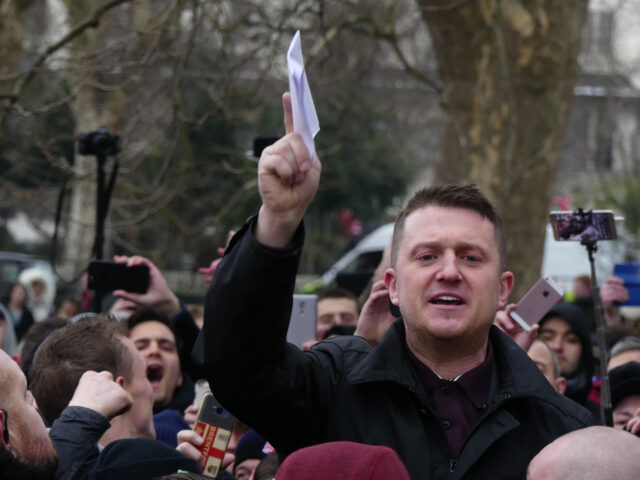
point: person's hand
(633, 425)
(375, 317)
(287, 181)
(188, 444)
(208, 272)
(191, 414)
(512, 328)
(308, 344)
(613, 293)
(100, 393)
(158, 296)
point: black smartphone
(105, 276)
(583, 226)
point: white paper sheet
(305, 119)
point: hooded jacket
(345, 390)
(578, 384)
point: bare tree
(507, 72)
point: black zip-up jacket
(345, 390)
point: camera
(99, 142)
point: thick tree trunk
(508, 69)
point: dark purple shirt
(459, 403)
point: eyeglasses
(5, 429)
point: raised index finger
(288, 114)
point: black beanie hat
(140, 459)
(625, 381)
(251, 445)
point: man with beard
(26, 451)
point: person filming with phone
(448, 392)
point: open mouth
(155, 373)
(446, 300)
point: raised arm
(287, 181)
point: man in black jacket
(452, 395)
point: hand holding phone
(537, 302)
(214, 424)
(105, 276)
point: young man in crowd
(451, 394)
(100, 344)
(547, 362)
(564, 328)
(336, 307)
(153, 335)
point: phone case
(537, 302)
(214, 424)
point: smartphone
(537, 302)
(304, 316)
(214, 424)
(583, 226)
(105, 276)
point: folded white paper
(305, 119)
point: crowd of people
(426, 377)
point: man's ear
(506, 285)
(180, 380)
(561, 385)
(120, 381)
(392, 284)
(4, 438)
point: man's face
(246, 469)
(542, 357)
(336, 311)
(38, 288)
(141, 412)
(156, 342)
(625, 411)
(558, 334)
(28, 436)
(447, 280)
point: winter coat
(343, 389)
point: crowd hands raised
(419, 382)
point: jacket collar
(514, 374)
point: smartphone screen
(537, 302)
(214, 424)
(587, 226)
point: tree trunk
(508, 69)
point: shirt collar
(475, 382)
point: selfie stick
(605, 389)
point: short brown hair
(467, 197)
(93, 343)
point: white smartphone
(537, 302)
(304, 315)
